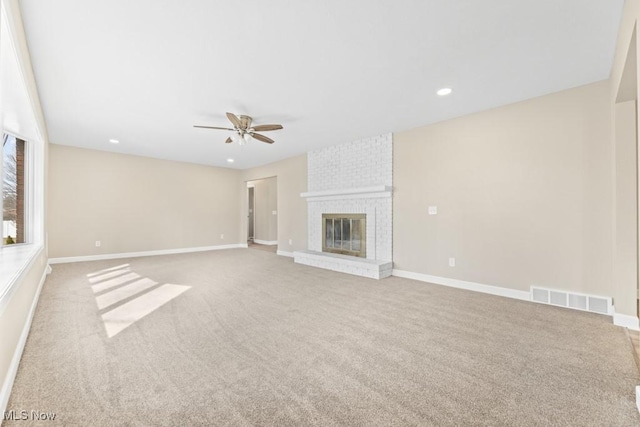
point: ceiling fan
(244, 130)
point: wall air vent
(576, 301)
(540, 295)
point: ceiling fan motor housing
(245, 121)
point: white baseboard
(461, 284)
(145, 253)
(626, 321)
(285, 253)
(638, 397)
(265, 242)
(630, 322)
(7, 385)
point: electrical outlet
(433, 210)
(452, 262)
(290, 241)
(98, 243)
(274, 212)
(222, 236)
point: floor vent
(592, 303)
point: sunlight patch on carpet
(112, 283)
(109, 275)
(128, 284)
(106, 270)
(127, 314)
(124, 292)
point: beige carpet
(258, 340)
(268, 248)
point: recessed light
(444, 91)
(114, 141)
(230, 160)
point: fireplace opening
(344, 234)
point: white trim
(351, 197)
(361, 192)
(462, 284)
(33, 252)
(285, 253)
(626, 321)
(638, 397)
(265, 242)
(7, 385)
(145, 253)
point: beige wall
(626, 221)
(292, 209)
(266, 201)
(524, 194)
(16, 314)
(133, 203)
(624, 87)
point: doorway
(262, 214)
(250, 215)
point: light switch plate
(274, 212)
(433, 210)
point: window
(22, 164)
(13, 191)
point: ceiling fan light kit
(243, 131)
(241, 139)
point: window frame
(27, 197)
(17, 259)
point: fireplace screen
(344, 234)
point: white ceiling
(145, 71)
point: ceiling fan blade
(211, 127)
(262, 138)
(263, 128)
(229, 140)
(235, 120)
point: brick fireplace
(351, 180)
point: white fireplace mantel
(373, 192)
